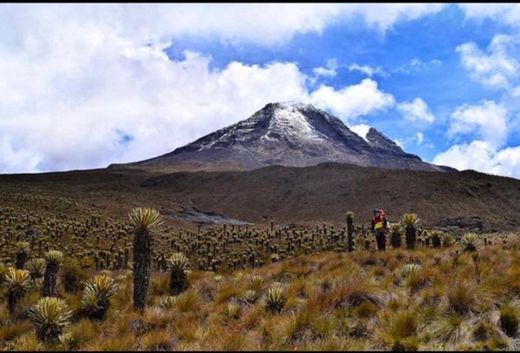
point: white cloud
(488, 120)
(366, 69)
(75, 121)
(353, 101)
(515, 93)
(494, 68)
(419, 138)
(361, 130)
(417, 65)
(416, 110)
(329, 70)
(482, 156)
(505, 13)
(323, 71)
(383, 16)
(260, 23)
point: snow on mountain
(289, 121)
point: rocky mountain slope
(287, 134)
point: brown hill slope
(324, 192)
(287, 195)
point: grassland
(426, 299)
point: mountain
(287, 134)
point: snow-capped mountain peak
(289, 134)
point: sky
(86, 85)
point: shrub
(470, 242)
(250, 296)
(509, 320)
(49, 316)
(447, 240)
(232, 311)
(167, 302)
(53, 260)
(178, 264)
(462, 297)
(96, 296)
(73, 275)
(414, 277)
(448, 328)
(411, 269)
(17, 283)
(409, 344)
(144, 220)
(36, 268)
(409, 222)
(395, 236)
(3, 272)
(276, 298)
(22, 253)
(350, 231)
(436, 239)
(404, 325)
(255, 283)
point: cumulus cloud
(77, 121)
(483, 156)
(416, 111)
(488, 120)
(353, 101)
(260, 23)
(495, 67)
(505, 13)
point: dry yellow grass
(334, 300)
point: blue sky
(119, 83)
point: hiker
(379, 226)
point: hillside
(307, 195)
(324, 192)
